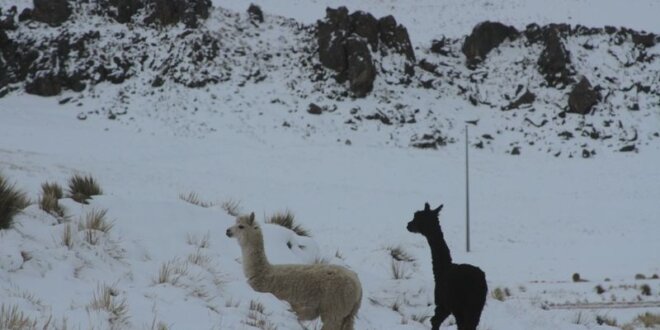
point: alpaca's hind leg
(348, 322)
(441, 314)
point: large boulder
(343, 39)
(485, 37)
(395, 36)
(168, 12)
(582, 98)
(44, 85)
(51, 12)
(361, 71)
(331, 36)
(554, 62)
(365, 25)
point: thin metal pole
(467, 192)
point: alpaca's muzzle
(229, 233)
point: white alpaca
(332, 292)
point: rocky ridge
(560, 89)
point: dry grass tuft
(646, 289)
(96, 220)
(193, 198)
(12, 201)
(67, 236)
(171, 272)
(82, 188)
(202, 242)
(649, 320)
(286, 219)
(106, 299)
(199, 259)
(232, 207)
(399, 254)
(49, 201)
(604, 320)
(257, 317)
(400, 270)
(12, 318)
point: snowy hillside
(221, 111)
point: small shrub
(654, 277)
(604, 320)
(287, 220)
(399, 254)
(599, 289)
(194, 199)
(82, 188)
(232, 207)
(640, 277)
(12, 201)
(12, 318)
(646, 289)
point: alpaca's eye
(240, 227)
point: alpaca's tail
(348, 322)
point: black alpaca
(459, 289)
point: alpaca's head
(425, 221)
(245, 229)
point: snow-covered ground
(536, 219)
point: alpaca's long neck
(255, 262)
(439, 252)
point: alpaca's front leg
(441, 314)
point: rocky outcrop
(168, 12)
(122, 11)
(485, 37)
(346, 43)
(256, 15)
(582, 98)
(51, 12)
(554, 62)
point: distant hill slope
(568, 91)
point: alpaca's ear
(251, 219)
(437, 211)
(427, 207)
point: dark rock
(438, 47)
(586, 153)
(527, 98)
(256, 15)
(485, 37)
(44, 85)
(554, 62)
(7, 21)
(365, 25)
(533, 33)
(314, 109)
(644, 40)
(515, 151)
(157, 82)
(51, 12)
(25, 15)
(123, 10)
(610, 29)
(582, 98)
(331, 35)
(628, 148)
(427, 66)
(395, 36)
(168, 12)
(361, 70)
